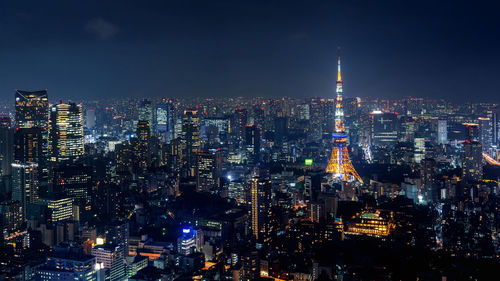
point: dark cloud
(101, 28)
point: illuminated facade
(143, 143)
(32, 122)
(66, 132)
(472, 161)
(28, 145)
(32, 109)
(371, 224)
(77, 268)
(25, 184)
(254, 210)
(61, 208)
(165, 120)
(190, 137)
(340, 165)
(6, 149)
(205, 171)
(145, 110)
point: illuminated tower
(254, 211)
(340, 165)
(190, 138)
(143, 143)
(32, 122)
(66, 132)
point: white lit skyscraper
(442, 132)
(66, 132)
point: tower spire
(339, 77)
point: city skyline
(249, 141)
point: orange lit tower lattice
(340, 165)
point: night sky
(390, 49)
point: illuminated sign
(308, 162)
(186, 230)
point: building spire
(339, 77)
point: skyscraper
(205, 171)
(472, 160)
(32, 109)
(28, 145)
(190, 137)
(384, 128)
(145, 110)
(74, 181)
(340, 165)
(66, 132)
(254, 208)
(143, 143)
(6, 146)
(442, 132)
(165, 120)
(25, 184)
(240, 121)
(32, 117)
(90, 118)
(485, 132)
(260, 196)
(252, 141)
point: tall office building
(32, 122)
(74, 181)
(418, 149)
(165, 120)
(6, 146)
(384, 128)
(281, 125)
(205, 171)
(118, 233)
(442, 132)
(66, 132)
(146, 112)
(143, 143)
(190, 241)
(60, 207)
(190, 137)
(11, 218)
(90, 118)
(239, 122)
(111, 259)
(25, 184)
(260, 196)
(472, 161)
(254, 208)
(28, 145)
(252, 141)
(485, 132)
(471, 132)
(32, 109)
